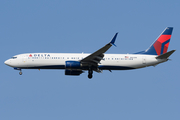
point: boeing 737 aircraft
(75, 64)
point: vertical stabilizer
(160, 46)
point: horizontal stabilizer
(165, 55)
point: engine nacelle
(73, 65)
(73, 72)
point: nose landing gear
(20, 73)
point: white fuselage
(76, 64)
(57, 61)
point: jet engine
(73, 72)
(73, 65)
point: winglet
(113, 40)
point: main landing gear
(90, 72)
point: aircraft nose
(7, 62)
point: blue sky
(63, 26)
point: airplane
(77, 63)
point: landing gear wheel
(20, 73)
(90, 76)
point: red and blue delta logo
(161, 45)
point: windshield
(13, 57)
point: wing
(93, 59)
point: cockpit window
(13, 57)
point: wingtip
(114, 39)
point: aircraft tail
(165, 55)
(160, 46)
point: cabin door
(144, 60)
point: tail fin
(160, 46)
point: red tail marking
(158, 44)
(165, 48)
